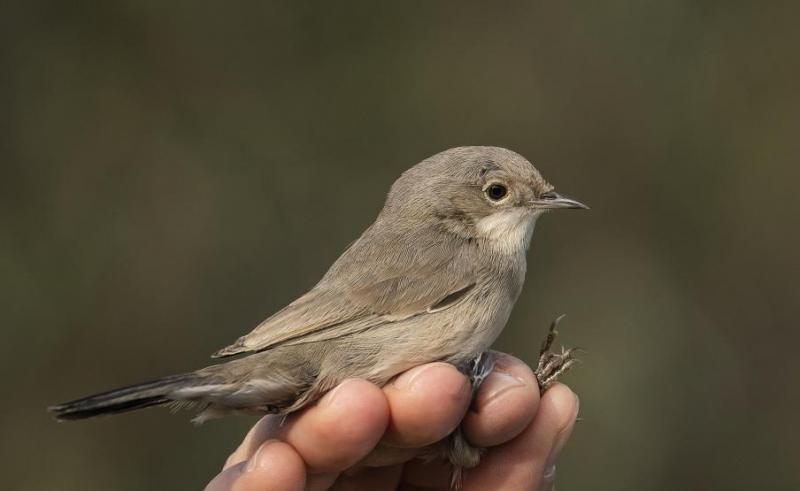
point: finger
(505, 404)
(521, 463)
(270, 427)
(426, 404)
(549, 473)
(275, 466)
(263, 430)
(338, 431)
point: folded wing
(381, 278)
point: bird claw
(552, 365)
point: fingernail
(443, 378)
(495, 385)
(331, 396)
(406, 380)
(255, 460)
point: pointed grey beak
(553, 201)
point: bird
(434, 278)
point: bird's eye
(496, 192)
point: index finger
(340, 429)
(331, 435)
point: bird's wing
(381, 278)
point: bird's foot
(461, 454)
(552, 365)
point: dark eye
(496, 192)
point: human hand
(361, 437)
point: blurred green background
(173, 172)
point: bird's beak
(553, 201)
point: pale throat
(508, 231)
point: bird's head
(482, 193)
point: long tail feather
(137, 396)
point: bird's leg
(461, 454)
(552, 365)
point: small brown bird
(434, 278)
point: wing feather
(382, 277)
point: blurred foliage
(173, 172)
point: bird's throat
(508, 231)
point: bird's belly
(456, 335)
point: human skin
(362, 437)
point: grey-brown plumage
(433, 279)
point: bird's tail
(137, 396)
